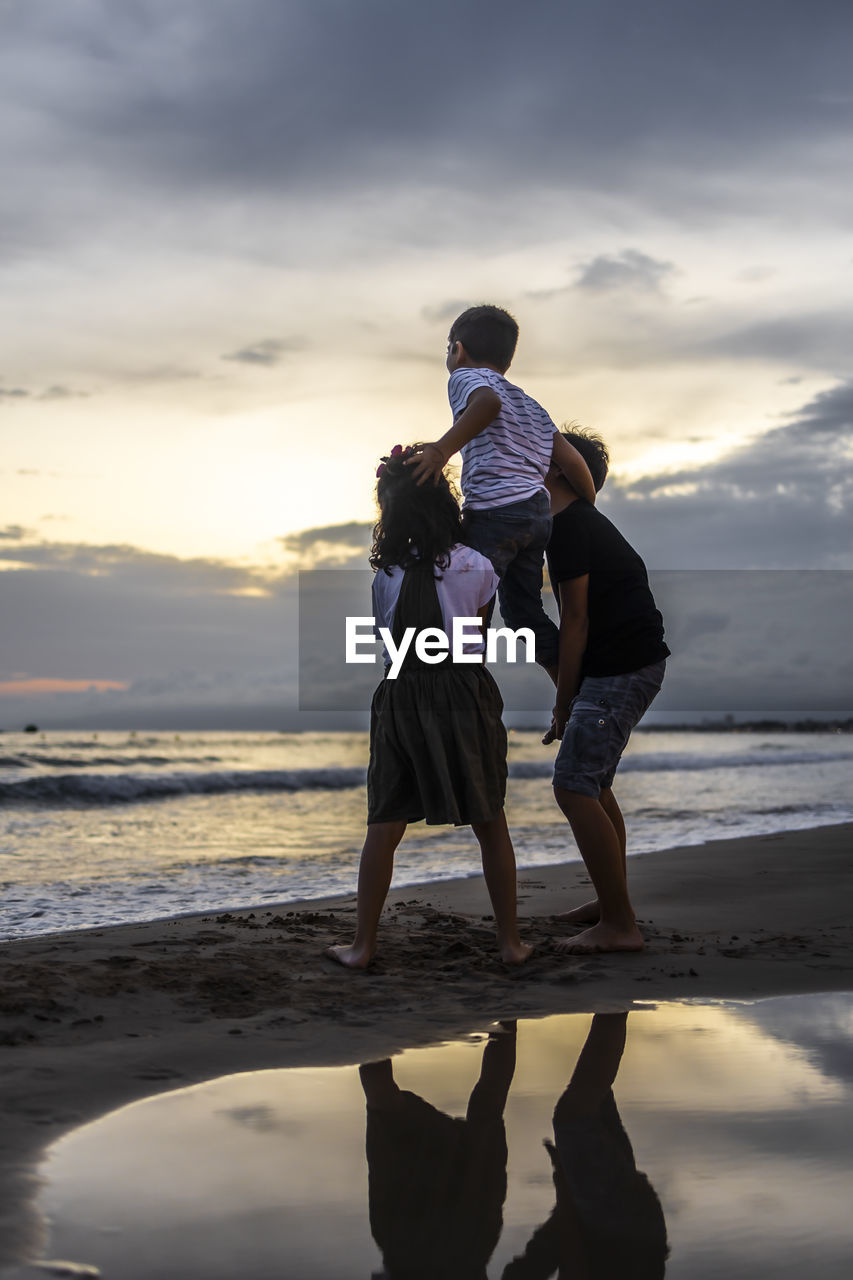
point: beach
(94, 1019)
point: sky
(232, 240)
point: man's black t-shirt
(625, 627)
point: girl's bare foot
(351, 957)
(515, 952)
(601, 937)
(587, 914)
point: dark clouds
(216, 98)
(329, 547)
(168, 159)
(784, 500)
(135, 569)
(822, 339)
(629, 269)
(182, 634)
(829, 414)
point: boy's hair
(592, 449)
(418, 524)
(489, 334)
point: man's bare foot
(351, 957)
(515, 952)
(587, 914)
(601, 937)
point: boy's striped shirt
(508, 460)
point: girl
(437, 743)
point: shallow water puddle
(723, 1149)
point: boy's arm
(565, 456)
(482, 407)
(574, 629)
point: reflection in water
(739, 1115)
(608, 1222)
(438, 1183)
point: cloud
(784, 500)
(756, 275)
(702, 623)
(56, 392)
(268, 351)
(180, 634)
(629, 269)
(164, 372)
(60, 392)
(15, 533)
(830, 413)
(207, 641)
(817, 340)
(331, 547)
(23, 687)
(146, 570)
(202, 104)
(446, 311)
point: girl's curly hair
(418, 524)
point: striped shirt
(508, 460)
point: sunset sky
(232, 238)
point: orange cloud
(49, 685)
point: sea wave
(690, 762)
(30, 759)
(90, 789)
(55, 790)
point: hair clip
(397, 454)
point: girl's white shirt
(463, 588)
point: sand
(95, 1019)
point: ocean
(111, 828)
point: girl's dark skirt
(437, 747)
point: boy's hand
(428, 461)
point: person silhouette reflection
(437, 1183)
(608, 1223)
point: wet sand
(95, 1019)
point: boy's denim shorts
(514, 538)
(604, 711)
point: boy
(611, 665)
(507, 442)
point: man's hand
(559, 720)
(428, 461)
(574, 629)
